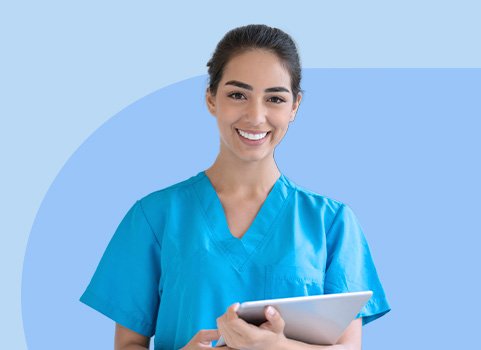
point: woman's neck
(243, 179)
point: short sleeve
(349, 265)
(124, 286)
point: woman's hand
(203, 340)
(239, 334)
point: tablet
(317, 319)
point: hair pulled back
(255, 36)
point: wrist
(282, 343)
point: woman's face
(253, 98)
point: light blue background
(65, 69)
(392, 143)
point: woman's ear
(295, 107)
(210, 100)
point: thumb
(274, 322)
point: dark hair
(255, 36)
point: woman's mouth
(251, 138)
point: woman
(183, 256)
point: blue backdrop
(400, 146)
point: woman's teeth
(252, 136)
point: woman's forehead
(258, 68)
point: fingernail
(236, 307)
(271, 311)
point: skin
(126, 339)
(244, 174)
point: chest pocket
(293, 281)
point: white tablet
(317, 319)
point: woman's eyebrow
(248, 87)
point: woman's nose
(256, 112)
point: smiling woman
(253, 105)
(252, 232)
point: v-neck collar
(239, 250)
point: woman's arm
(126, 339)
(350, 340)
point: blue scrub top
(172, 267)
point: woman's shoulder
(307, 196)
(157, 205)
(176, 192)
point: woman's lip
(253, 131)
(250, 142)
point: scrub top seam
(148, 223)
(334, 219)
(268, 233)
(211, 230)
(204, 214)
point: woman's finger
(231, 313)
(202, 339)
(227, 330)
(231, 326)
(206, 336)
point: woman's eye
(236, 95)
(276, 99)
